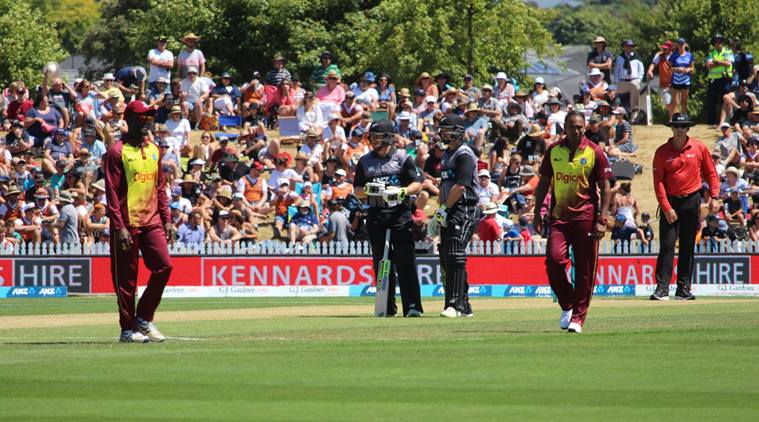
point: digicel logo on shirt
(569, 178)
(144, 177)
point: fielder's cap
(139, 108)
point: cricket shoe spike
(129, 336)
(566, 316)
(149, 330)
(450, 312)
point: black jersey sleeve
(359, 178)
(465, 168)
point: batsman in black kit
(387, 176)
(457, 215)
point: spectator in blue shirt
(95, 146)
(226, 96)
(192, 232)
(304, 225)
(682, 68)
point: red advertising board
(347, 271)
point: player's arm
(540, 196)
(465, 167)
(359, 181)
(605, 194)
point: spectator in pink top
(332, 92)
(190, 56)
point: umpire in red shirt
(680, 165)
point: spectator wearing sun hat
(190, 56)
(488, 229)
(600, 58)
(504, 89)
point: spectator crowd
(230, 169)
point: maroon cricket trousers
(579, 234)
(151, 241)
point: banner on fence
(93, 274)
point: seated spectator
(532, 145)
(750, 160)
(623, 138)
(226, 96)
(192, 233)
(41, 120)
(253, 91)
(179, 130)
(733, 181)
(340, 188)
(622, 233)
(195, 91)
(281, 101)
(714, 231)
(366, 94)
(488, 190)
(351, 151)
(18, 140)
(304, 171)
(332, 93)
(594, 133)
(350, 111)
(303, 226)
(223, 232)
(488, 229)
(727, 149)
(283, 199)
(333, 136)
(596, 84)
(254, 189)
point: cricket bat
(383, 278)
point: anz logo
(393, 180)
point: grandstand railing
(363, 248)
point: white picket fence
(279, 248)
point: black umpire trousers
(461, 223)
(401, 254)
(685, 228)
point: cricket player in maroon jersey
(680, 165)
(577, 172)
(140, 221)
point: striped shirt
(685, 61)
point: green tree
(406, 37)
(27, 42)
(72, 18)
(106, 41)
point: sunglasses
(332, 78)
(680, 127)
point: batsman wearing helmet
(457, 215)
(387, 176)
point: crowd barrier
(501, 269)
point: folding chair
(229, 121)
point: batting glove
(441, 216)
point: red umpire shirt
(680, 172)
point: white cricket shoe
(129, 336)
(564, 320)
(574, 328)
(450, 312)
(149, 330)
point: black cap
(452, 122)
(680, 119)
(382, 126)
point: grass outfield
(325, 359)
